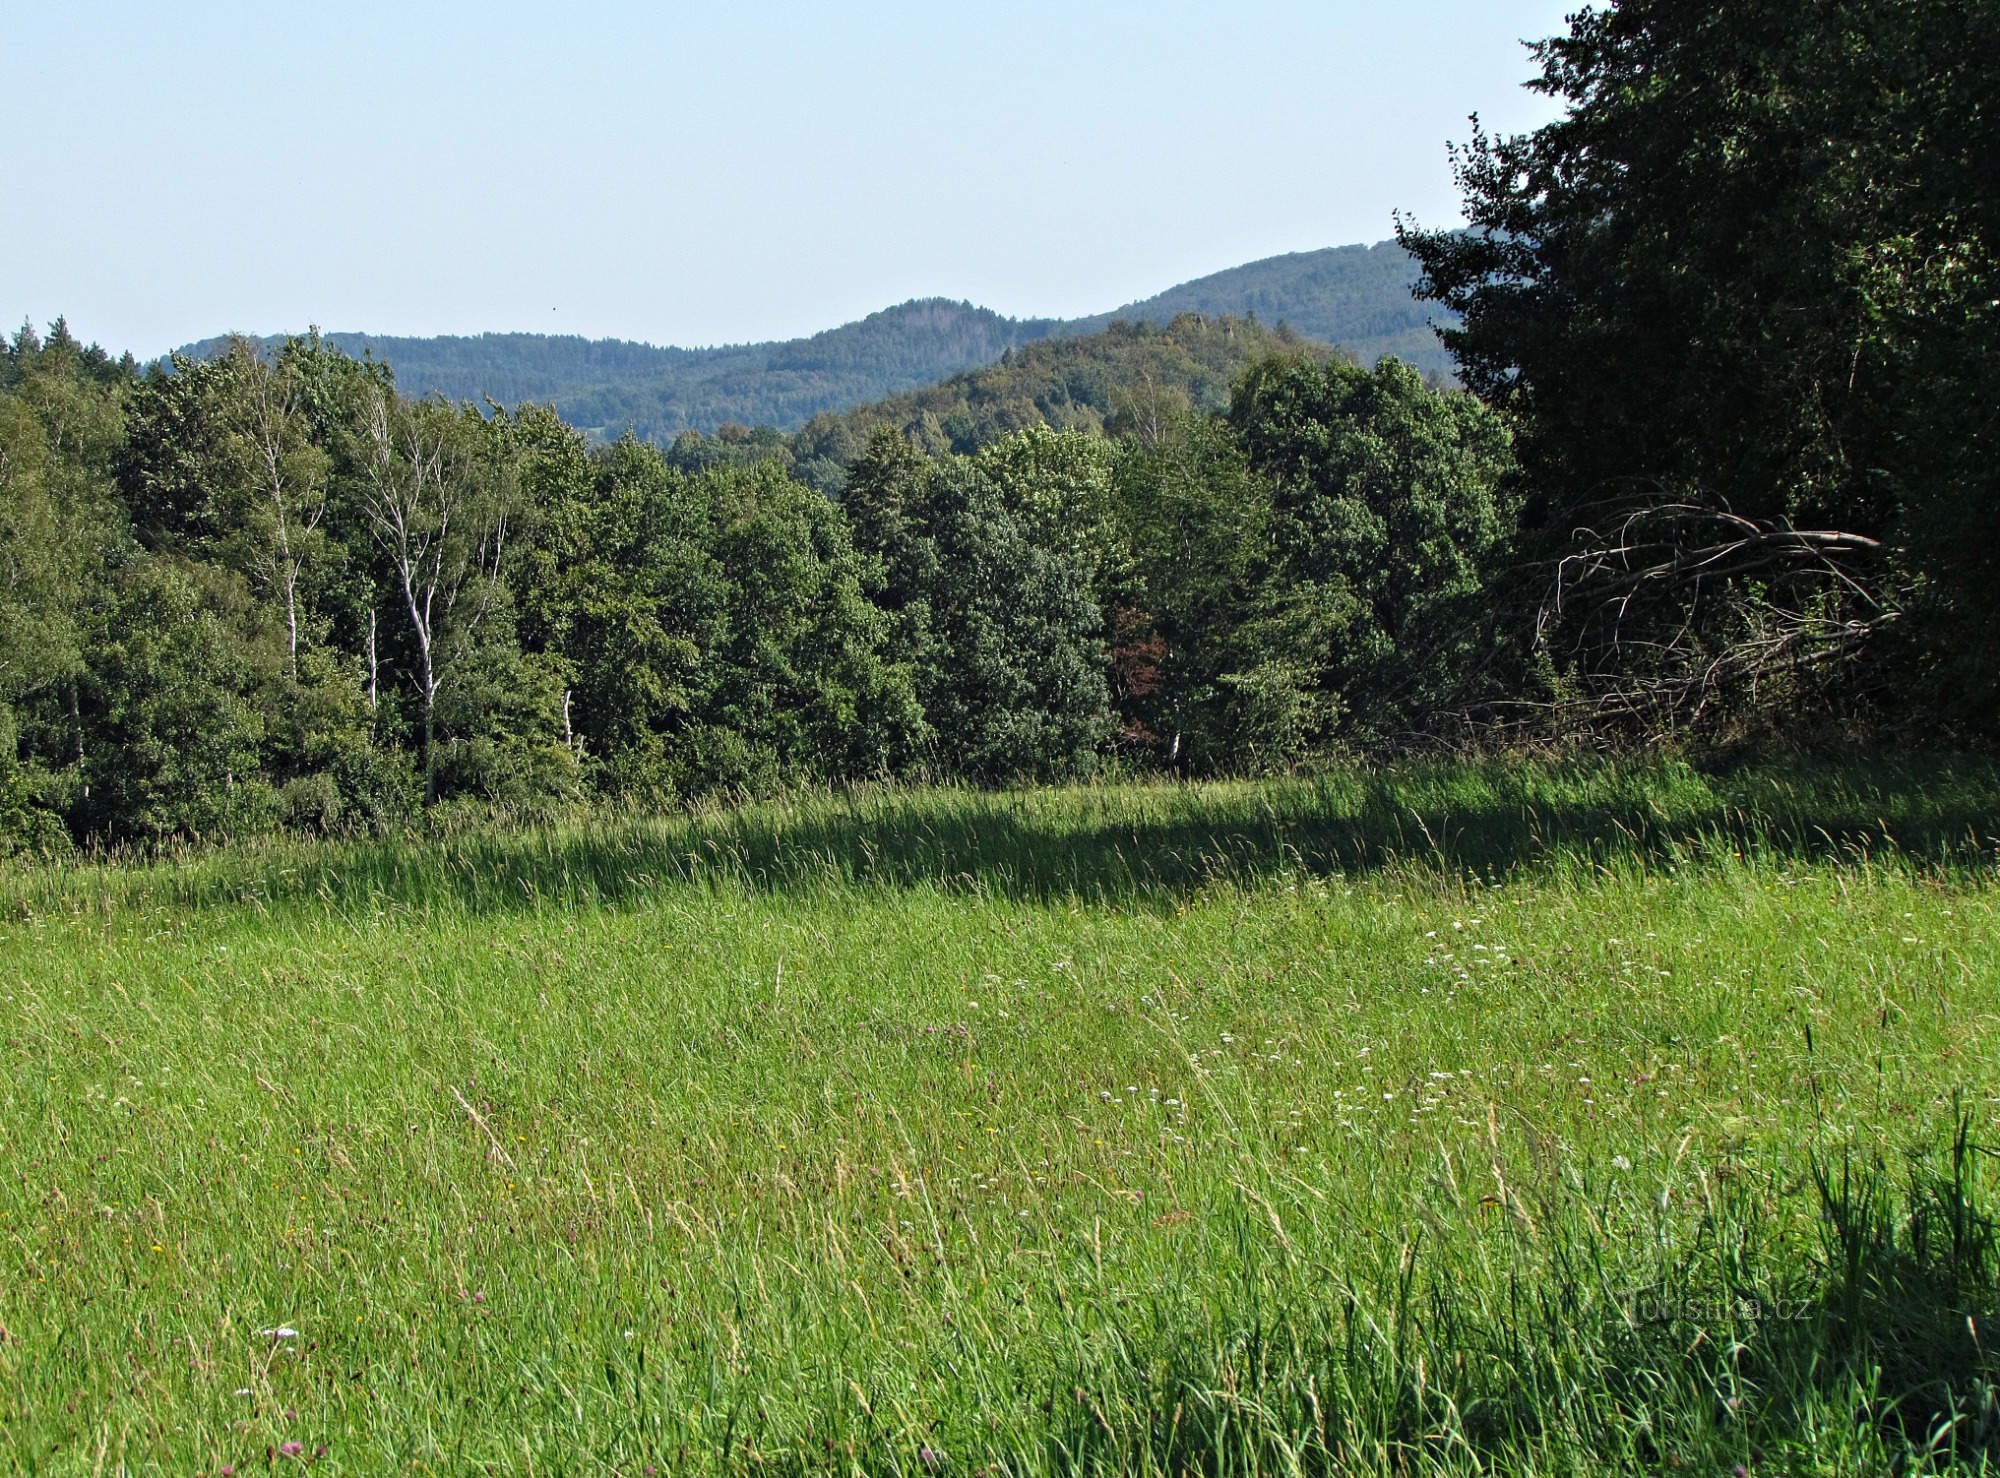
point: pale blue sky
(699, 173)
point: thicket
(1739, 303)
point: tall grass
(1452, 1119)
(1107, 844)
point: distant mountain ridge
(1354, 297)
(1132, 377)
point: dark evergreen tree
(1740, 300)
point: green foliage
(628, 592)
(268, 590)
(1130, 379)
(716, 632)
(1391, 517)
(1354, 297)
(173, 718)
(175, 449)
(60, 527)
(332, 772)
(29, 822)
(609, 387)
(1309, 568)
(801, 680)
(1061, 481)
(990, 564)
(502, 746)
(1198, 522)
(60, 430)
(1740, 298)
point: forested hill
(1355, 296)
(1130, 378)
(606, 386)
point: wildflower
(281, 1332)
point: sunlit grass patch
(1422, 1121)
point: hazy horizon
(698, 178)
(332, 329)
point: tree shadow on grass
(1138, 845)
(1164, 842)
(1480, 821)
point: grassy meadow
(1510, 1118)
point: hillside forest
(1722, 471)
(1357, 297)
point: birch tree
(434, 500)
(283, 492)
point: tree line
(1724, 470)
(266, 590)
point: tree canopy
(1739, 301)
(268, 590)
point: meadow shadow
(1160, 843)
(1141, 845)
